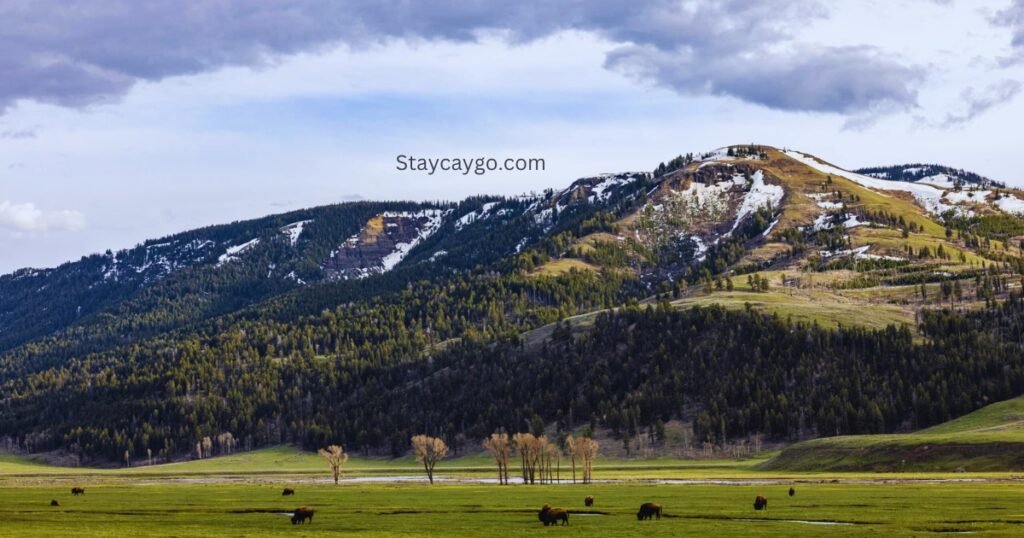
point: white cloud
(27, 217)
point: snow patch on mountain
(761, 194)
(233, 253)
(293, 277)
(939, 180)
(294, 230)
(602, 191)
(473, 216)
(1010, 204)
(158, 260)
(402, 249)
(965, 197)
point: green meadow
(845, 486)
(154, 508)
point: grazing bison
(287, 492)
(78, 491)
(301, 515)
(54, 503)
(760, 503)
(792, 492)
(551, 516)
(649, 511)
(589, 501)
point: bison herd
(548, 515)
(552, 516)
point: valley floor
(902, 509)
(240, 495)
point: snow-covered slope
(929, 197)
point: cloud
(17, 134)
(93, 51)
(28, 218)
(978, 103)
(847, 80)
(1013, 18)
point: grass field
(156, 509)
(561, 266)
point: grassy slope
(807, 306)
(989, 439)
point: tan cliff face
(380, 244)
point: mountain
(726, 290)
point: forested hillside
(725, 290)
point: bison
(301, 515)
(760, 503)
(649, 511)
(54, 503)
(792, 492)
(78, 491)
(589, 501)
(287, 492)
(551, 516)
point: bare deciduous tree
(572, 450)
(523, 443)
(531, 456)
(226, 443)
(498, 445)
(429, 451)
(335, 457)
(552, 461)
(588, 452)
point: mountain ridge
(215, 329)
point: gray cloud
(1013, 18)
(846, 79)
(978, 103)
(75, 54)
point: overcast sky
(122, 120)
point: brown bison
(301, 515)
(792, 492)
(54, 503)
(551, 516)
(589, 501)
(287, 492)
(649, 511)
(78, 491)
(760, 503)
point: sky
(124, 120)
